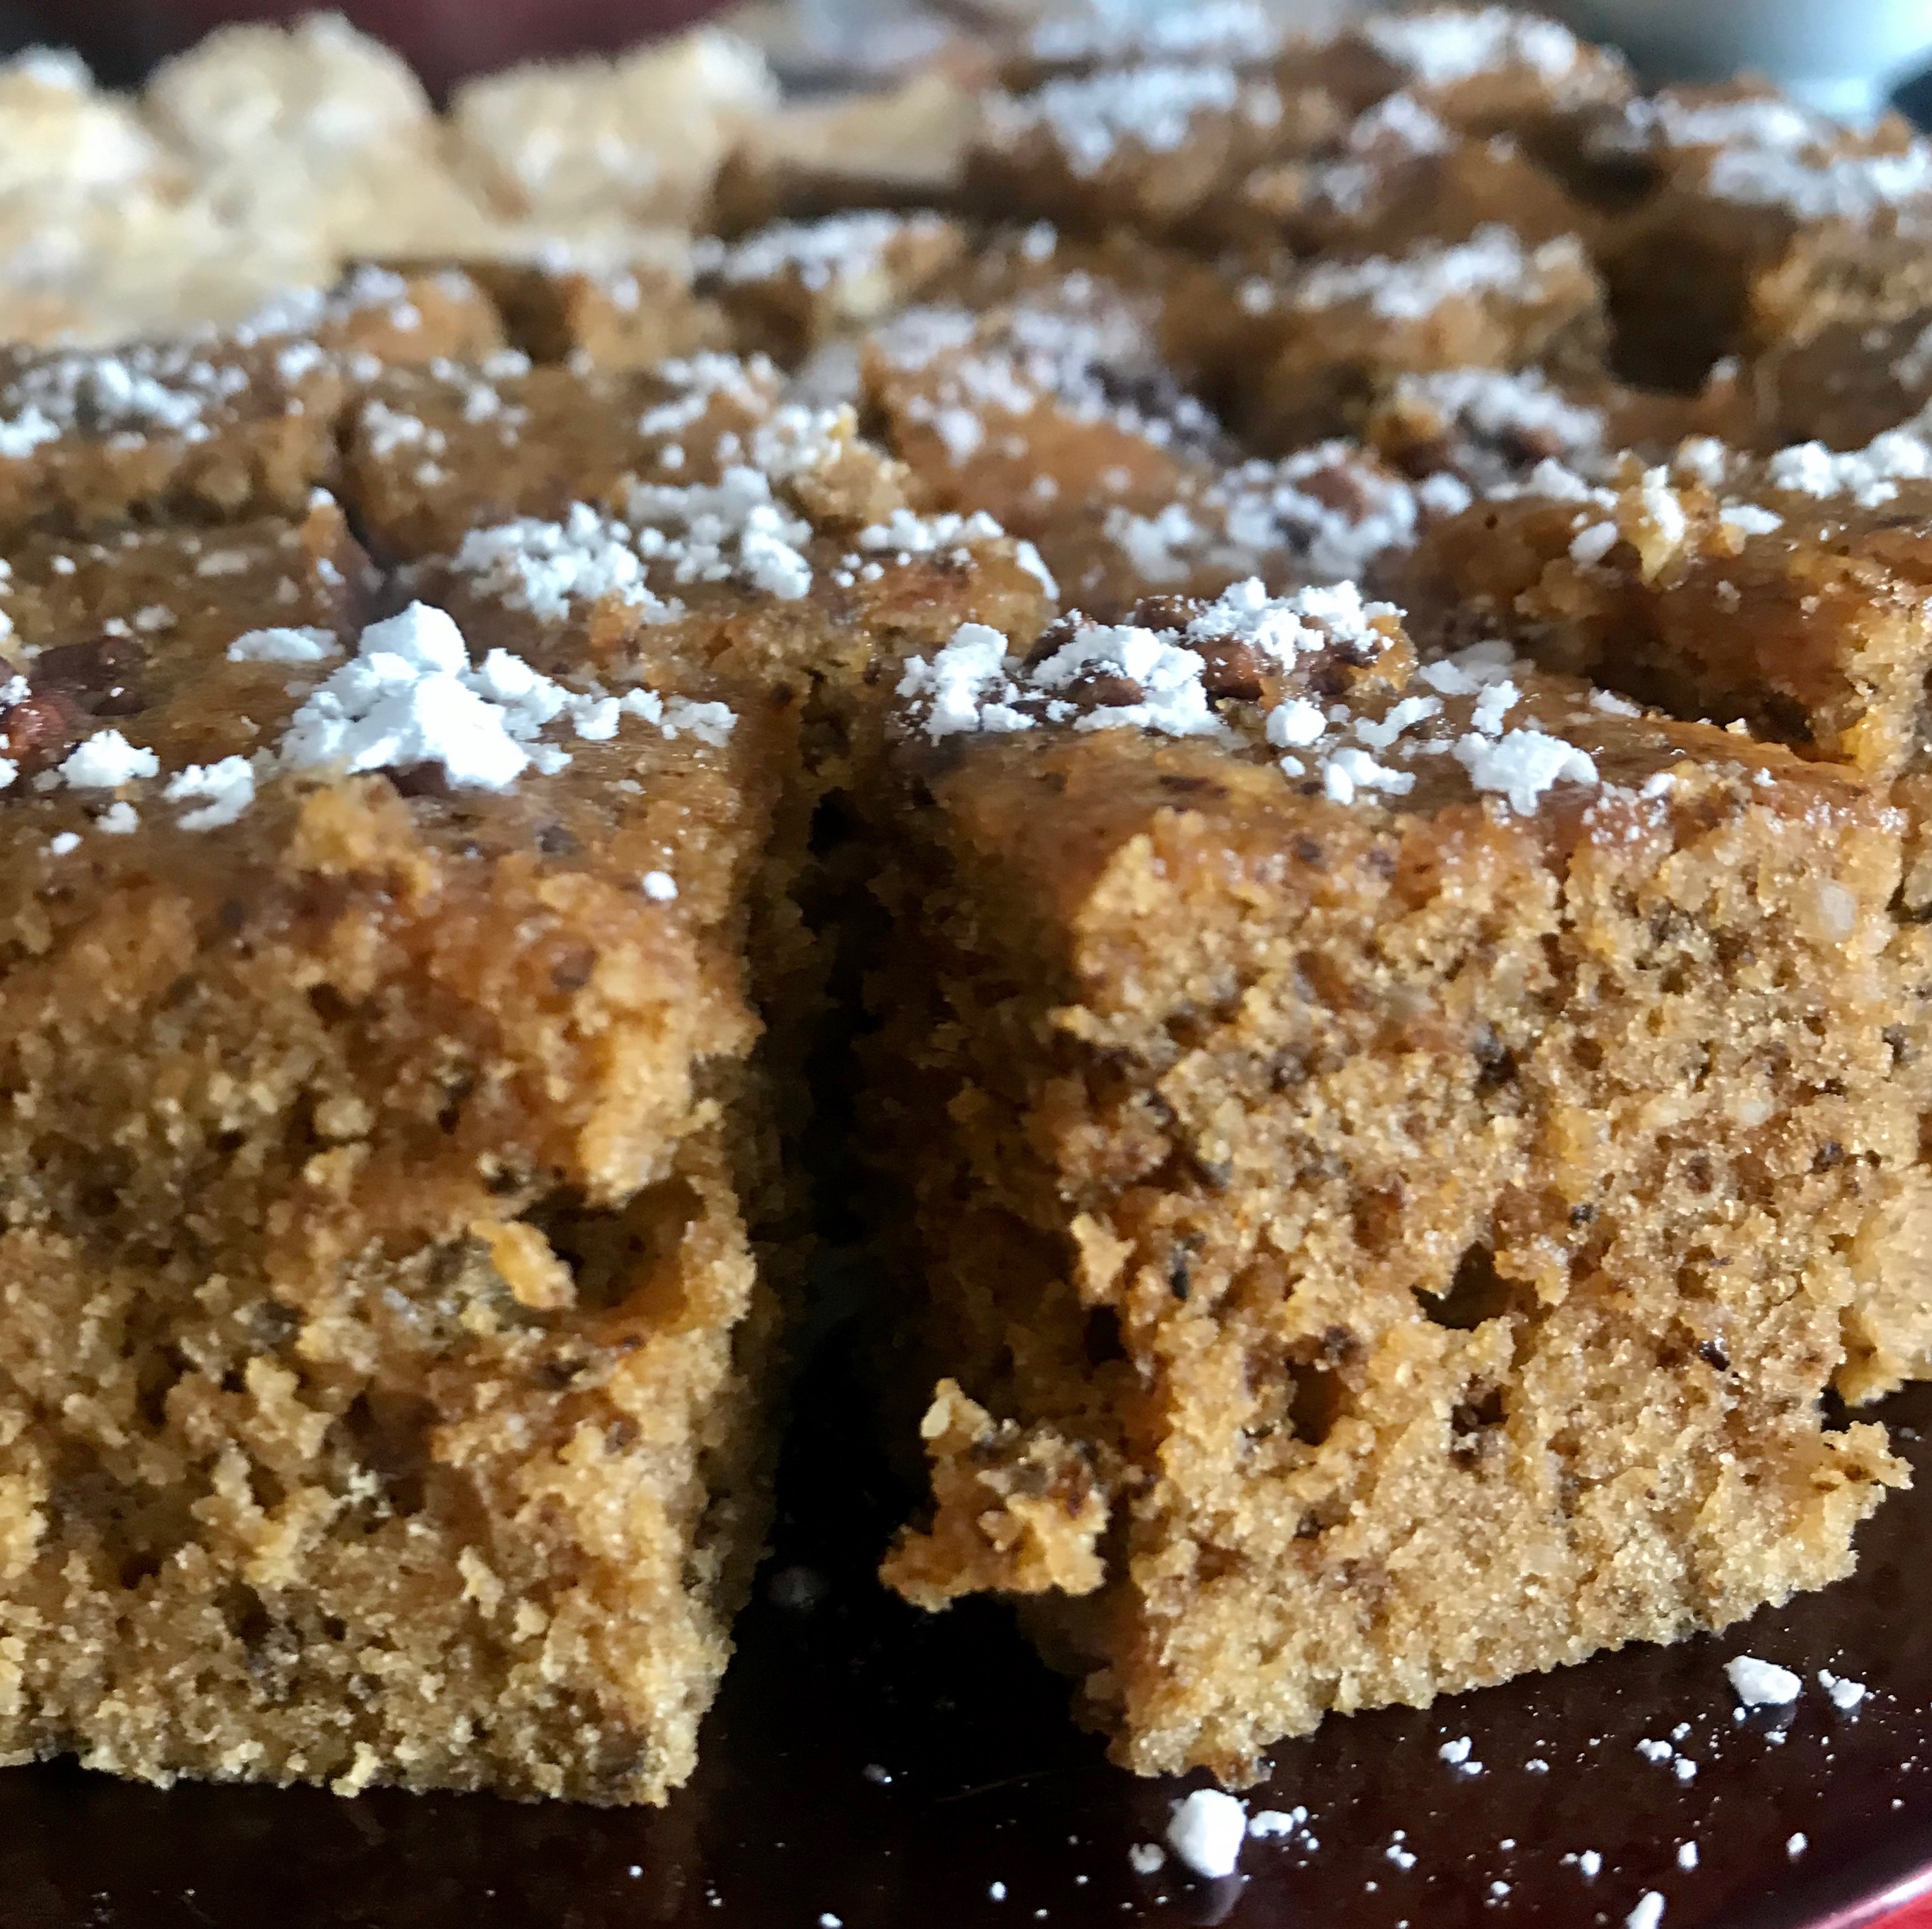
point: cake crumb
(1147, 1859)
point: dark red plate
(869, 1763)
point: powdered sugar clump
(1869, 475)
(1822, 186)
(844, 249)
(715, 532)
(1765, 123)
(106, 760)
(1758, 1684)
(966, 687)
(304, 645)
(229, 785)
(1492, 417)
(1206, 1831)
(1215, 29)
(139, 392)
(548, 568)
(1173, 700)
(1327, 512)
(410, 696)
(1845, 1695)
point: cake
(1272, 755)
(384, 1318)
(1360, 1261)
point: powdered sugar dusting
(1408, 287)
(229, 785)
(1153, 107)
(1822, 186)
(1229, 30)
(410, 696)
(1441, 47)
(732, 529)
(549, 568)
(304, 645)
(840, 249)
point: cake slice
(1322, 341)
(204, 430)
(390, 1362)
(432, 453)
(1383, 1146)
(1060, 414)
(1784, 595)
(1399, 175)
(1160, 146)
(1750, 244)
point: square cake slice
(1323, 340)
(201, 429)
(388, 1356)
(1786, 596)
(1384, 1146)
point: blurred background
(168, 164)
(1845, 57)
(444, 39)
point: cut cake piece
(1382, 1145)
(432, 453)
(789, 288)
(1160, 147)
(205, 431)
(587, 145)
(1786, 595)
(1401, 175)
(1321, 342)
(390, 1365)
(1485, 69)
(627, 302)
(1755, 243)
(1059, 414)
